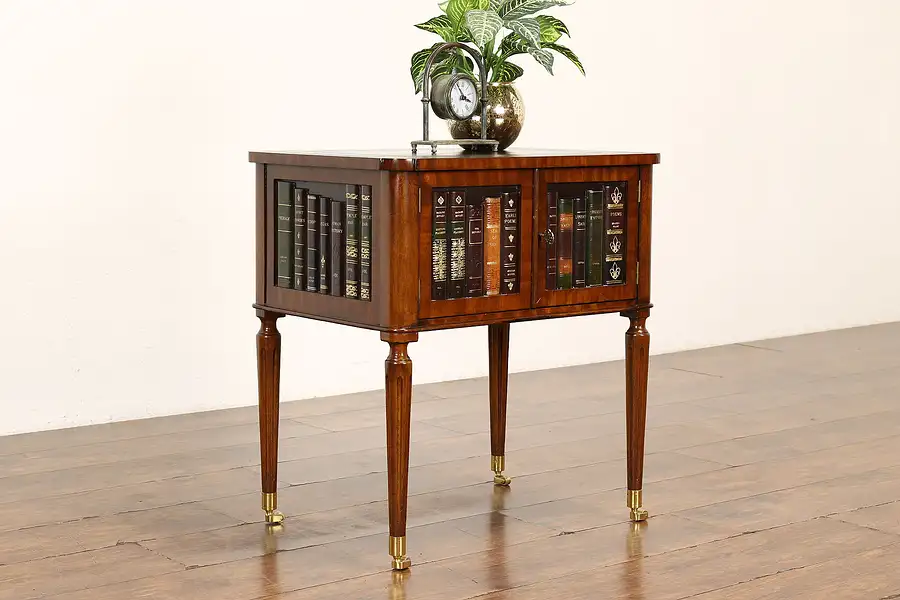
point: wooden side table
(404, 190)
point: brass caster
(274, 518)
(497, 464)
(397, 547)
(269, 504)
(634, 501)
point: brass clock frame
(474, 144)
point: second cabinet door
(586, 236)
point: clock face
(463, 96)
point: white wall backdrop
(126, 197)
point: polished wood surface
(398, 395)
(498, 369)
(637, 362)
(772, 471)
(453, 159)
(268, 361)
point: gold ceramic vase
(506, 115)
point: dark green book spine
(324, 243)
(564, 244)
(336, 266)
(579, 251)
(456, 237)
(595, 237)
(351, 251)
(284, 240)
(552, 239)
(614, 217)
(312, 243)
(365, 242)
(300, 238)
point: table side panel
(373, 313)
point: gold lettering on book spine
(491, 246)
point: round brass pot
(506, 115)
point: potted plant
(500, 30)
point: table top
(453, 159)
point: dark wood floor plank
(81, 571)
(870, 574)
(689, 571)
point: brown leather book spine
(579, 249)
(338, 246)
(324, 244)
(492, 226)
(564, 244)
(552, 238)
(365, 242)
(509, 257)
(474, 250)
(456, 238)
(614, 227)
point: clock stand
(407, 292)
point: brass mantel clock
(455, 96)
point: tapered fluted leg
(268, 359)
(498, 351)
(637, 363)
(398, 402)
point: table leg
(637, 362)
(498, 352)
(398, 402)
(268, 361)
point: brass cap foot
(501, 479)
(397, 547)
(639, 514)
(634, 499)
(401, 564)
(274, 517)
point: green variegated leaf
(568, 54)
(483, 25)
(511, 10)
(512, 45)
(457, 10)
(506, 72)
(543, 57)
(527, 29)
(495, 4)
(551, 28)
(440, 25)
(484, 5)
(443, 5)
(417, 67)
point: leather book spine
(300, 238)
(579, 252)
(492, 246)
(312, 243)
(457, 245)
(595, 237)
(351, 249)
(365, 242)
(474, 250)
(553, 238)
(284, 232)
(509, 238)
(614, 227)
(338, 243)
(324, 243)
(440, 203)
(564, 245)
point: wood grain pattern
(268, 348)
(802, 504)
(637, 363)
(398, 396)
(498, 356)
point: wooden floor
(773, 471)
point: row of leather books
(324, 244)
(475, 244)
(588, 241)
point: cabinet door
(586, 236)
(475, 233)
